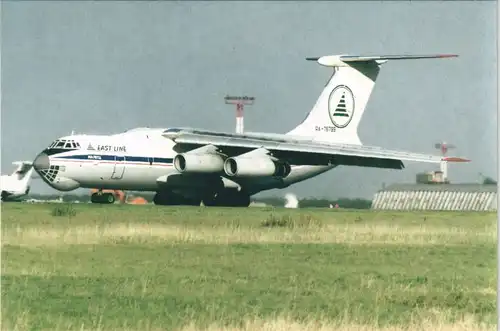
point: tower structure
(444, 147)
(240, 103)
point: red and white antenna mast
(240, 102)
(444, 147)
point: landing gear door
(119, 167)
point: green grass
(97, 267)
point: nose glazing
(41, 162)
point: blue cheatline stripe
(127, 158)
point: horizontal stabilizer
(354, 58)
(18, 163)
(342, 60)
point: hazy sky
(110, 66)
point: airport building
(433, 192)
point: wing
(301, 151)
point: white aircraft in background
(189, 166)
(17, 185)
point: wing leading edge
(306, 152)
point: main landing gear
(167, 198)
(225, 198)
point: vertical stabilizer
(23, 172)
(18, 183)
(339, 109)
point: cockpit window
(172, 130)
(62, 144)
(70, 144)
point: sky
(105, 67)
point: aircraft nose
(41, 162)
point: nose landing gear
(104, 198)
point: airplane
(17, 185)
(188, 166)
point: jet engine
(198, 163)
(256, 167)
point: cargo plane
(17, 185)
(188, 166)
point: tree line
(272, 201)
(349, 203)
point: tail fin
(23, 171)
(336, 115)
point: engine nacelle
(198, 163)
(283, 169)
(255, 167)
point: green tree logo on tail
(341, 106)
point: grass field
(95, 267)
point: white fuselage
(142, 159)
(135, 160)
(13, 187)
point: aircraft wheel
(171, 199)
(193, 202)
(95, 198)
(240, 200)
(106, 198)
(243, 200)
(109, 198)
(160, 199)
(210, 200)
(227, 199)
(165, 199)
